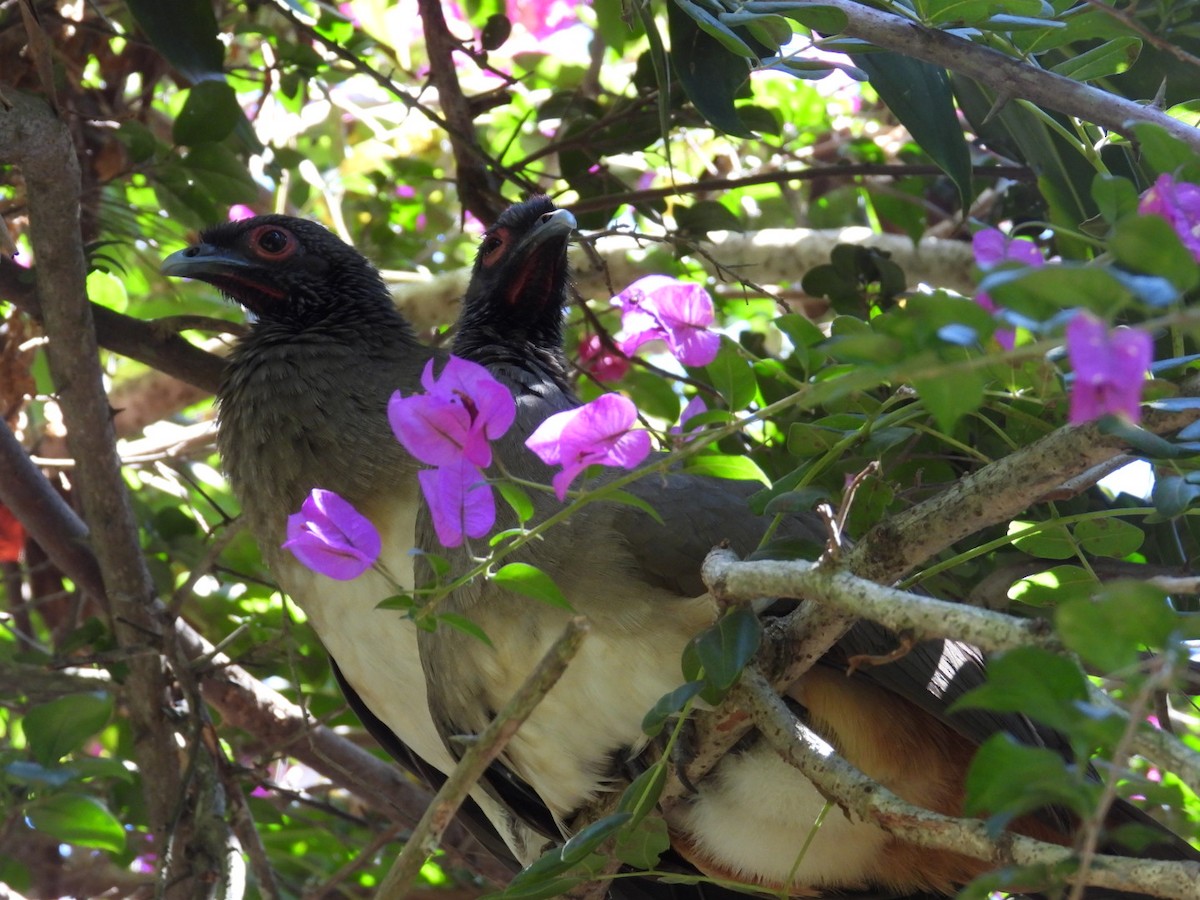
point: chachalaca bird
(638, 581)
(302, 405)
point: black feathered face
(279, 267)
(521, 266)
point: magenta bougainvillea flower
(1110, 369)
(678, 312)
(331, 537)
(598, 433)
(461, 411)
(694, 407)
(992, 247)
(1178, 203)
(450, 427)
(603, 363)
(460, 501)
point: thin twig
(479, 755)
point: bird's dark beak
(204, 262)
(235, 276)
(557, 224)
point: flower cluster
(450, 427)
(656, 308)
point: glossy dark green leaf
(715, 28)
(920, 96)
(711, 75)
(221, 172)
(668, 705)
(60, 726)
(587, 839)
(209, 114)
(641, 797)
(185, 32)
(726, 648)
(1173, 496)
(530, 581)
(78, 819)
(705, 216)
(1109, 58)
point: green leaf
(949, 399)
(706, 216)
(642, 795)
(78, 819)
(465, 625)
(1033, 682)
(715, 28)
(643, 844)
(209, 114)
(628, 499)
(1109, 58)
(1109, 537)
(61, 726)
(732, 376)
(1052, 542)
(1007, 779)
(1150, 244)
(517, 498)
(920, 96)
(732, 468)
(530, 581)
(587, 839)
(1053, 586)
(1173, 496)
(1125, 618)
(1116, 197)
(668, 705)
(221, 171)
(185, 32)
(710, 74)
(725, 649)
(1162, 151)
(1040, 293)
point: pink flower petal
(1179, 204)
(1109, 369)
(460, 501)
(331, 537)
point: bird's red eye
(272, 242)
(491, 248)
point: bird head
(519, 282)
(281, 268)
